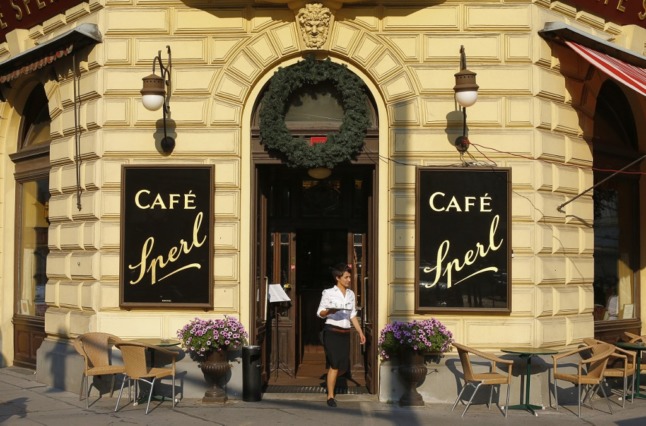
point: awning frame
(559, 32)
(47, 52)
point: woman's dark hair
(339, 269)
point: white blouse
(333, 297)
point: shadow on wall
(56, 361)
(455, 126)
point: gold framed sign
(167, 236)
(463, 240)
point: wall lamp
(154, 95)
(466, 94)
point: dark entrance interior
(305, 226)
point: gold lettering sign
(462, 240)
(623, 12)
(167, 236)
(25, 14)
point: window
(32, 202)
(616, 209)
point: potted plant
(208, 341)
(409, 342)
(424, 336)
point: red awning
(625, 73)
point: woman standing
(338, 309)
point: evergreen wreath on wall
(340, 146)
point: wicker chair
(590, 377)
(476, 380)
(627, 368)
(137, 368)
(636, 338)
(632, 337)
(95, 348)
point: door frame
(260, 314)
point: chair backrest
(591, 342)
(602, 352)
(463, 352)
(95, 347)
(632, 337)
(134, 359)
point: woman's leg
(332, 373)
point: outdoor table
(638, 347)
(528, 354)
(156, 341)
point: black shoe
(331, 402)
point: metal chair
(476, 380)
(627, 368)
(95, 348)
(591, 376)
(137, 368)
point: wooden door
(260, 311)
(307, 226)
(282, 266)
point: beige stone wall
(527, 118)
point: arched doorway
(617, 216)
(303, 224)
(32, 223)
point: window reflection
(33, 247)
(319, 104)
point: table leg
(525, 405)
(637, 392)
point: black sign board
(167, 236)
(462, 240)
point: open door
(303, 227)
(260, 308)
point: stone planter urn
(215, 368)
(412, 370)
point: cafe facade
(296, 135)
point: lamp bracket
(165, 74)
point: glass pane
(284, 258)
(321, 198)
(315, 104)
(615, 225)
(33, 247)
(36, 120)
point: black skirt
(337, 348)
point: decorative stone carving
(314, 20)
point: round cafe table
(638, 347)
(527, 354)
(157, 341)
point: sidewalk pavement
(24, 401)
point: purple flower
(200, 337)
(428, 335)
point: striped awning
(49, 51)
(623, 65)
(625, 73)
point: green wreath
(340, 146)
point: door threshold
(340, 390)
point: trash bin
(251, 383)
